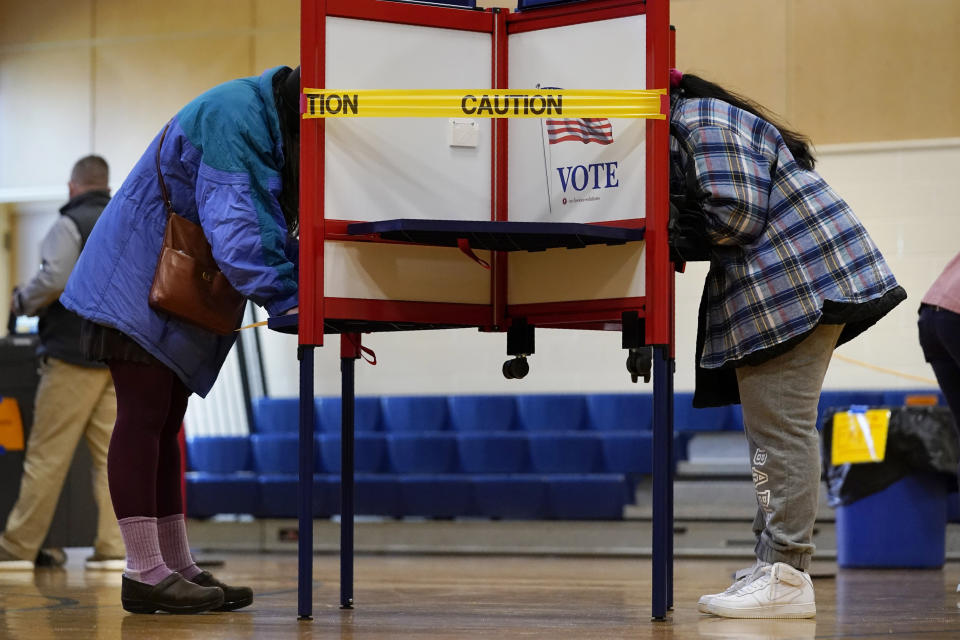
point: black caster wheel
(640, 363)
(516, 369)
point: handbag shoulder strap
(163, 187)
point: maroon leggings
(143, 462)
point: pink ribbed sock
(144, 560)
(172, 531)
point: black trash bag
(919, 439)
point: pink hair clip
(675, 77)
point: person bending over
(230, 161)
(792, 275)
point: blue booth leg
(305, 487)
(662, 560)
(346, 480)
(671, 444)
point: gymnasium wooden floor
(478, 597)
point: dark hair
(91, 171)
(693, 86)
(286, 90)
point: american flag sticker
(583, 130)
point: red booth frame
(656, 307)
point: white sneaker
(10, 562)
(777, 591)
(738, 577)
(16, 565)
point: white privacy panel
(554, 175)
(375, 271)
(592, 273)
(570, 170)
(386, 168)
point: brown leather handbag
(188, 283)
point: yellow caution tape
(483, 103)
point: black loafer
(173, 594)
(233, 597)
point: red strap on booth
(362, 350)
(464, 246)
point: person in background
(792, 275)
(75, 397)
(230, 161)
(939, 328)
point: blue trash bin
(902, 526)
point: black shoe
(173, 594)
(233, 597)
(50, 558)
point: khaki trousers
(779, 399)
(71, 402)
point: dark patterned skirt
(102, 344)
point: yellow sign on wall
(859, 436)
(11, 425)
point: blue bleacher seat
(275, 415)
(510, 496)
(686, 418)
(551, 412)
(219, 454)
(898, 397)
(437, 496)
(619, 411)
(430, 452)
(275, 452)
(627, 451)
(278, 496)
(844, 399)
(369, 452)
(493, 452)
(482, 413)
(366, 414)
(848, 397)
(374, 494)
(564, 452)
(735, 422)
(594, 497)
(209, 494)
(414, 413)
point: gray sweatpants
(779, 399)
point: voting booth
(506, 214)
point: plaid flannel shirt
(784, 242)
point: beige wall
(103, 76)
(838, 70)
